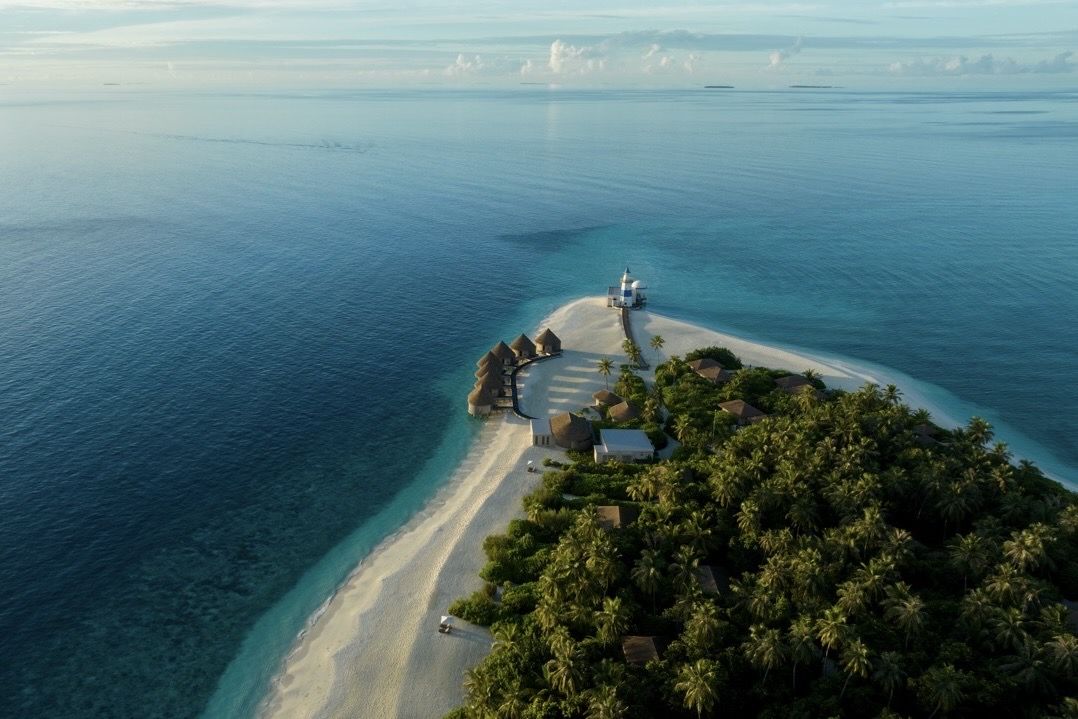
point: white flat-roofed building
(541, 434)
(623, 445)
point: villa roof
(792, 382)
(624, 412)
(479, 397)
(501, 351)
(547, 337)
(742, 410)
(710, 579)
(486, 359)
(715, 373)
(639, 650)
(704, 363)
(625, 440)
(606, 397)
(486, 370)
(569, 427)
(522, 345)
(614, 517)
(491, 382)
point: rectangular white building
(623, 445)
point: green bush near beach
(841, 557)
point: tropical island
(798, 541)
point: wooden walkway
(627, 328)
(513, 382)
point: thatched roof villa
(571, 431)
(523, 348)
(626, 411)
(480, 402)
(792, 383)
(611, 516)
(502, 352)
(639, 650)
(547, 343)
(710, 370)
(743, 411)
(605, 398)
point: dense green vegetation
(872, 570)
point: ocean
(236, 330)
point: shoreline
(372, 648)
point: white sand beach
(376, 651)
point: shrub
(720, 354)
(479, 609)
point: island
(753, 532)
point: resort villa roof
(490, 382)
(480, 397)
(704, 363)
(486, 359)
(548, 342)
(605, 398)
(717, 375)
(741, 409)
(611, 516)
(571, 431)
(522, 346)
(710, 578)
(792, 383)
(502, 352)
(639, 650)
(624, 412)
(486, 370)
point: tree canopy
(864, 564)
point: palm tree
(802, 644)
(892, 394)
(969, 555)
(942, 688)
(604, 704)
(683, 428)
(764, 648)
(683, 568)
(1026, 548)
(647, 573)
(1028, 666)
(703, 626)
(1063, 649)
(657, 343)
(606, 366)
(904, 609)
(564, 671)
(831, 629)
(612, 620)
(698, 682)
(855, 662)
(889, 673)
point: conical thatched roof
(606, 398)
(546, 336)
(571, 430)
(624, 412)
(490, 382)
(480, 397)
(502, 352)
(548, 341)
(485, 370)
(486, 359)
(522, 346)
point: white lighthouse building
(627, 294)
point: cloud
(566, 59)
(464, 66)
(984, 65)
(777, 57)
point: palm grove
(875, 566)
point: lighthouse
(627, 294)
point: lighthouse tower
(627, 294)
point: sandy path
(376, 652)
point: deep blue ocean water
(236, 330)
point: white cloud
(983, 65)
(566, 59)
(464, 66)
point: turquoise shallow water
(235, 329)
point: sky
(606, 43)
